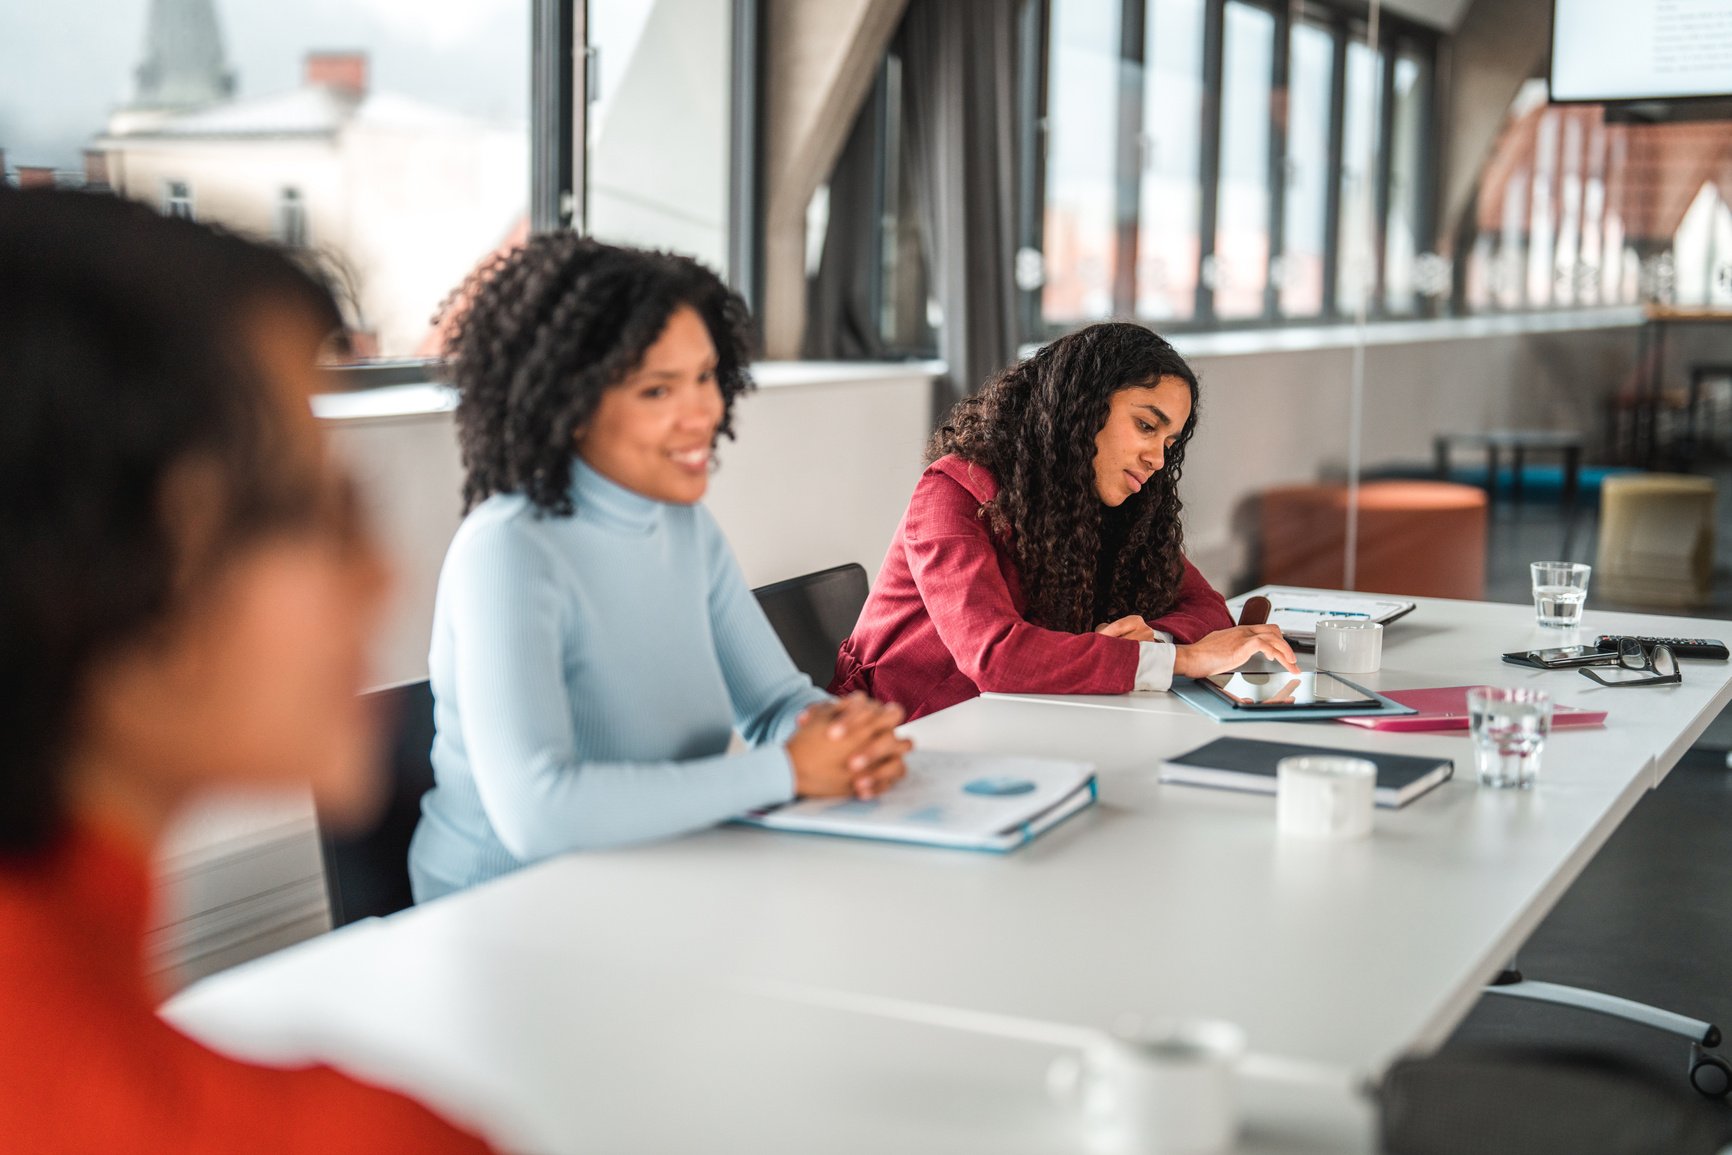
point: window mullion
(1337, 136)
(1128, 171)
(556, 113)
(1280, 118)
(1385, 172)
(1031, 203)
(1209, 155)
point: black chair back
(813, 615)
(367, 871)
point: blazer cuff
(1155, 665)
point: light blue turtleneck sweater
(587, 674)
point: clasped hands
(847, 746)
(1215, 653)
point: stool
(1520, 442)
(1416, 538)
(1656, 539)
(1705, 428)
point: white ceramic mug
(1349, 645)
(1325, 796)
(1160, 1087)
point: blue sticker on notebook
(999, 787)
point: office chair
(1551, 1101)
(813, 614)
(1710, 1074)
(367, 871)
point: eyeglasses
(1637, 666)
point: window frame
(558, 181)
(1343, 21)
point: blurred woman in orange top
(186, 595)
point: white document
(975, 801)
(1297, 612)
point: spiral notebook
(967, 801)
(1297, 611)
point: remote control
(1711, 648)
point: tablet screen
(1281, 690)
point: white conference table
(1164, 900)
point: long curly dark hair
(1033, 426)
(537, 334)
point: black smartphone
(1562, 657)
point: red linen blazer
(945, 619)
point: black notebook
(1247, 764)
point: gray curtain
(839, 299)
(959, 61)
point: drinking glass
(1560, 591)
(1509, 729)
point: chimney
(35, 176)
(346, 72)
(95, 168)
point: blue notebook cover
(1210, 704)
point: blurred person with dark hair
(595, 645)
(1042, 551)
(186, 597)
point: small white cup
(1349, 645)
(1324, 796)
(1157, 1088)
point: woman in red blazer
(186, 601)
(1042, 549)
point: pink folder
(1445, 708)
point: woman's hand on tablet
(1228, 649)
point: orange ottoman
(1416, 538)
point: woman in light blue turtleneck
(594, 643)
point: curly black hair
(538, 333)
(1033, 426)
(127, 353)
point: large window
(390, 142)
(660, 86)
(1171, 197)
(1301, 269)
(1240, 269)
(1081, 220)
(1233, 162)
(387, 141)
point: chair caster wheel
(1711, 1076)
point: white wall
(408, 469)
(823, 463)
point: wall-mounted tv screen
(1606, 50)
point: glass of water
(1509, 729)
(1560, 591)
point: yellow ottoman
(1656, 540)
